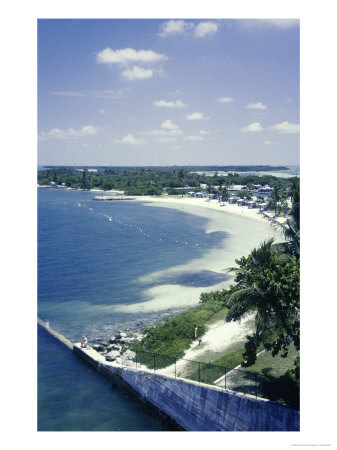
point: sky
(164, 92)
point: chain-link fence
(281, 389)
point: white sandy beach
(248, 228)
(181, 202)
(245, 229)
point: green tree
(224, 194)
(268, 284)
(181, 176)
(243, 194)
(276, 197)
(291, 229)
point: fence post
(199, 372)
(256, 385)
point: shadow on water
(201, 278)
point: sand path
(218, 337)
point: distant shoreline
(214, 205)
(178, 202)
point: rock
(114, 347)
(113, 354)
(99, 347)
(112, 339)
(126, 340)
(128, 355)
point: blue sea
(105, 266)
(95, 261)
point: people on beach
(84, 342)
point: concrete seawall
(194, 406)
(189, 405)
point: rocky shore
(114, 349)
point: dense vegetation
(153, 181)
(176, 334)
(268, 283)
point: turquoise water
(93, 258)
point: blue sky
(162, 92)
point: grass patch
(214, 366)
(269, 377)
(175, 335)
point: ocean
(119, 265)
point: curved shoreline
(214, 205)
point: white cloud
(71, 133)
(253, 127)
(168, 128)
(169, 125)
(129, 139)
(286, 127)
(205, 28)
(128, 55)
(154, 133)
(175, 27)
(166, 139)
(257, 105)
(168, 104)
(268, 142)
(69, 94)
(137, 73)
(277, 23)
(283, 23)
(109, 94)
(204, 132)
(102, 111)
(125, 58)
(224, 100)
(194, 138)
(196, 116)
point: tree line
(153, 181)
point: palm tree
(277, 196)
(291, 229)
(181, 176)
(224, 194)
(267, 285)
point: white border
(318, 152)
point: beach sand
(181, 202)
(247, 229)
